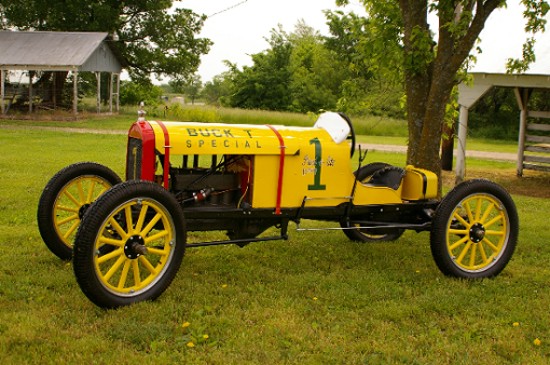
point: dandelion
(315, 298)
(515, 324)
(537, 342)
(224, 286)
(185, 324)
(205, 337)
(190, 344)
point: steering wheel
(351, 135)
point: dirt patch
(532, 183)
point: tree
(151, 37)
(190, 87)
(373, 69)
(316, 74)
(431, 63)
(265, 84)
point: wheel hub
(135, 247)
(83, 210)
(477, 233)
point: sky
(238, 29)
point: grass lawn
(314, 299)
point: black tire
(474, 230)
(64, 201)
(130, 245)
(369, 234)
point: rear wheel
(351, 229)
(64, 201)
(130, 245)
(474, 230)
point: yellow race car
(127, 239)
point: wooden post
(461, 149)
(2, 90)
(111, 92)
(522, 96)
(54, 94)
(118, 93)
(98, 77)
(30, 91)
(75, 93)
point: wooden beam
(538, 139)
(98, 77)
(538, 148)
(30, 91)
(2, 90)
(539, 159)
(538, 127)
(75, 93)
(539, 114)
(530, 166)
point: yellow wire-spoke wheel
(66, 198)
(134, 247)
(477, 232)
(130, 244)
(474, 231)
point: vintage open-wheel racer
(127, 239)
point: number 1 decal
(318, 162)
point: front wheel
(64, 201)
(474, 230)
(130, 245)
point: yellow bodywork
(315, 169)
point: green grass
(309, 300)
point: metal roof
(84, 51)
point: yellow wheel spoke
(72, 229)
(495, 233)
(493, 221)
(491, 245)
(141, 218)
(483, 254)
(111, 241)
(90, 196)
(118, 228)
(147, 264)
(67, 219)
(67, 209)
(156, 236)
(487, 212)
(469, 211)
(479, 204)
(114, 268)
(464, 252)
(151, 224)
(137, 275)
(459, 231)
(81, 194)
(473, 254)
(158, 251)
(124, 274)
(129, 220)
(111, 255)
(458, 243)
(72, 198)
(461, 220)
